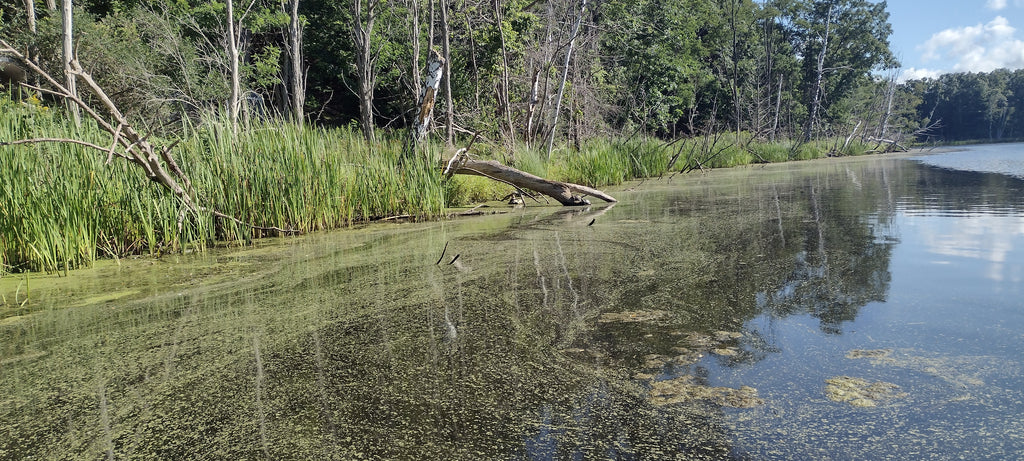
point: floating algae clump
(860, 392)
(960, 372)
(725, 351)
(875, 354)
(686, 389)
(723, 336)
(633, 316)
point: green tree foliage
(667, 68)
(652, 50)
(971, 106)
(841, 43)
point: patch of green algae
(687, 389)
(634, 316)
(860, 392)
(959, 372)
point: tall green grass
(61, 206)
(603, 162)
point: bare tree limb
(136, 148)
(64, 141)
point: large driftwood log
(567, 194)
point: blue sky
(937, 36)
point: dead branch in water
(563, 192)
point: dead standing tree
(462, 163)
(367, 55)
(156, 162)
(565, 76)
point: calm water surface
(865, 308)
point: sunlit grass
(62, 206)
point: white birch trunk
(236, 80)
(446, 49)
(565, 76)
(427, 99)
(69, 55)
(503, 93)
(816, 101)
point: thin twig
(63, 141)
(249, 225)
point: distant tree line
(982, 106)
(517, 71)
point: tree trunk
(531, 106)
(236, 79)
(430, 30)
(427, 99)
(414, 13)
(297, 77)
(550, 49)
(503, 92)
(778, 111)
(473, 53)
(565, 76)
(735, 66)
(890, 94)
(850, 137)
(68, 56)
(766, 85)
(562, 192)
(30, 10)
(366, 61)
(446, 49)
(33, 50)
(820, 75)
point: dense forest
(983, 106)
(520, 71)
(273, 117)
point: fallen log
(563, 192)
(894, 145)
(461, 163)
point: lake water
(856, 308)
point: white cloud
(980, 48)
(914, 73)
(995, 4)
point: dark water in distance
(865, 308)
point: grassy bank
(62, 206)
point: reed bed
(62, 206)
